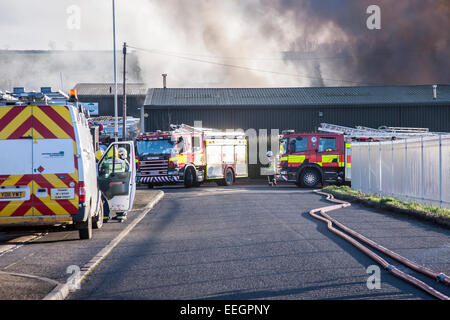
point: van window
(327, 144)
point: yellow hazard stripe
(50, 124)
(15, 123)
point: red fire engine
(191, 156)
(308, 159)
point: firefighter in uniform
(271, 167)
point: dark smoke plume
(412, 46)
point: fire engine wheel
(85, 229)
(229, 178)
(98, 220)
(310, 178)
(189, 178)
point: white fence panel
(414, 169)
(431, 174)
(445, 175)
(374, 166)
(413, 164)
(387, 168)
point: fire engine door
(117, 176)
(241, 159)
(214, 163)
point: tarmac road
(256, 242)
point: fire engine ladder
(184, 128)
(382, 133)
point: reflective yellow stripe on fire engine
(180, 159)
(296, 159)
(330, 158)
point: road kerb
(63, 290)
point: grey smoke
(324, 41)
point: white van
(48, 170)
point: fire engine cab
(191, 156)
(308, 159)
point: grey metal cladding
(315, 96)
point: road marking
(4, 249)
(21, 259)
(62, 290)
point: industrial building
(103, 94)
(301, 109)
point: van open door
(117, 176)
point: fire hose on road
(321, 214)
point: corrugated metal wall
(306, 119)
(106, 104)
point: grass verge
(440, 216)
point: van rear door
(16, 176)
(55, 170)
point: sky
(246, 43)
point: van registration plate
(12, 195)
(62, 194)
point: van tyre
(310, 178)
(98, 220)
(85, 229)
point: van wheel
(98, 220)
(85, 229)
(310, 178)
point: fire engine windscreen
(165, 146)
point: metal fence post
(440, 171)
(379, 166)
(405, 193)
(370, 169)
(392, 167)
(422, 169)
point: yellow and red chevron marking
(40, 122)
(43, 206)
(16, 208)
(47, 206)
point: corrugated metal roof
(102, 89)
(317, 96)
